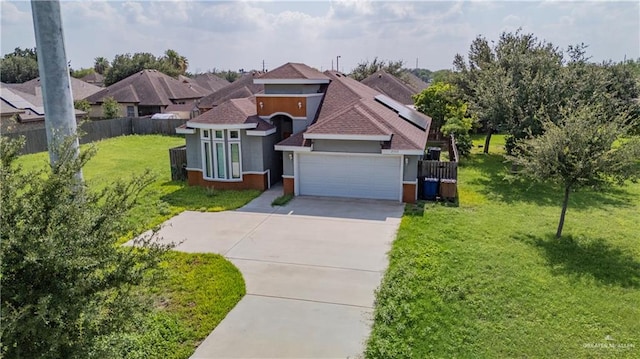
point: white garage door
(363, 176)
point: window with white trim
(221, 154)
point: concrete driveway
(310, 267)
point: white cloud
(240, 34)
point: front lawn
(197, 290)
(128, 156)
(488, 279)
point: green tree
(19, 66)
(586, 148)
(423, 74)
(82, 72)
(366, 68)
(66, 284)
(442, 76)
(513, 84)
(448, 113)
(126, 65)
(110, 108)
(83, 105)
(101, 65)
(176, 61)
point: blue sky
(241, 34)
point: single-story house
(207, 80)
(400, 89)
(146, 93)
(244, 86)
(22, 110)
(321, 134)
(79, 89)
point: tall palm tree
(176, 61)
(100, 65)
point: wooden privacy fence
(178, 159)
(443, 173)
(95, 130)
(438, 169)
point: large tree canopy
(512, 84)
(19, 66)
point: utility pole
(262, 65)
(60, 119)
(338, 63)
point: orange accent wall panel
(408, 192)
(287, 185)
(249, 181)
(295, 106)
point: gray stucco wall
(346, 146)
(300, 125)
(270, 157)
(411, 168)
(291, 89)
(313, 102)
(194, 159)
(251, 147)
(287, 168)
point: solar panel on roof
(403, 111)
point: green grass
(282, 200)
(487, 279)
(129, 156)
(197, 290)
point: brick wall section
(249, 181)
(287, 184)
(409, 192)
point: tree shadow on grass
(587, 257)
(495, 186)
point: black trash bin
(433, 153)
(430, 188)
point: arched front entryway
(284, 126)
(284, 129)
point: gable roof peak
(293, 73)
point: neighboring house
(79, 89)
(94, 78)
(242, 87)
(146, 93)
(21, 110)
(209, 81)
(413, 81)
(394, 87)
(322, 134)
(185, 111)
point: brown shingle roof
(242, 87)
(391, 86)
(292, 70)
(233, 112)
(208, 81)
(79, 88)
(149, 88)
(349, 107)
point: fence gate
(178, 159)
